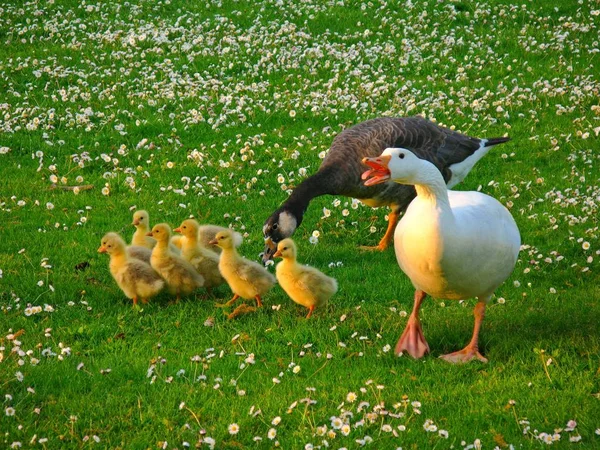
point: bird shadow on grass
(521, 328)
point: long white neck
(429, 184)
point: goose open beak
(378, 171)
(270, 248)
(102, 249)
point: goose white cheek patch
(287, 224)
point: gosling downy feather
(135, 277)
(141, 238)
(452, 245)
(246, 278)
(206, 234)
(205, 261)
(305, 285)
(180, 275)
(137, 252)
(141, 222)
(454, 154)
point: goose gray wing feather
(343, 163)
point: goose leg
(258, 301)
(388, 237)
(134, 301)
(229, 303)
(471, 351)
(311, 308)
(412, 340)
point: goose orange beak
(378, 172)
(149, 233)
(177, 230)
(135, 223)
(102, 249)
(277, 254)
(213, 242)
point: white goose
(452, 245)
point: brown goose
(453, 153)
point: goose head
(223, 239)
(161, 232)
(396, 164)
(141, 219)
(279, 226)
(112, 244)
(189, 228)
(286, 249)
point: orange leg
(134, 301)
(471, 351)
(412, 340)
(388, 237)
(145, 301)
(229, 303)
(311, 308)
(258, 301)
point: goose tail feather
(495, 141)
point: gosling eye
(275, 226)
(284, 249)
(401, 156)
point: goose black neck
(314, 186)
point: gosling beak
(213, 242)
(378, 171)
(102, 249)
(277, 254)
(270, 248)
(177, 230)
(149, 233)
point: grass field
(215, 109)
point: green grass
(522, 69)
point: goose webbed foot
(465, 355)
(412, 340)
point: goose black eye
(275, 226)
(284, 249)
(401, 156)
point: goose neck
(430, 185)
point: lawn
(216, 110)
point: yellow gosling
(305, 285)
(247, 279)
(135, 277)
(180, 275)
(205, 261)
